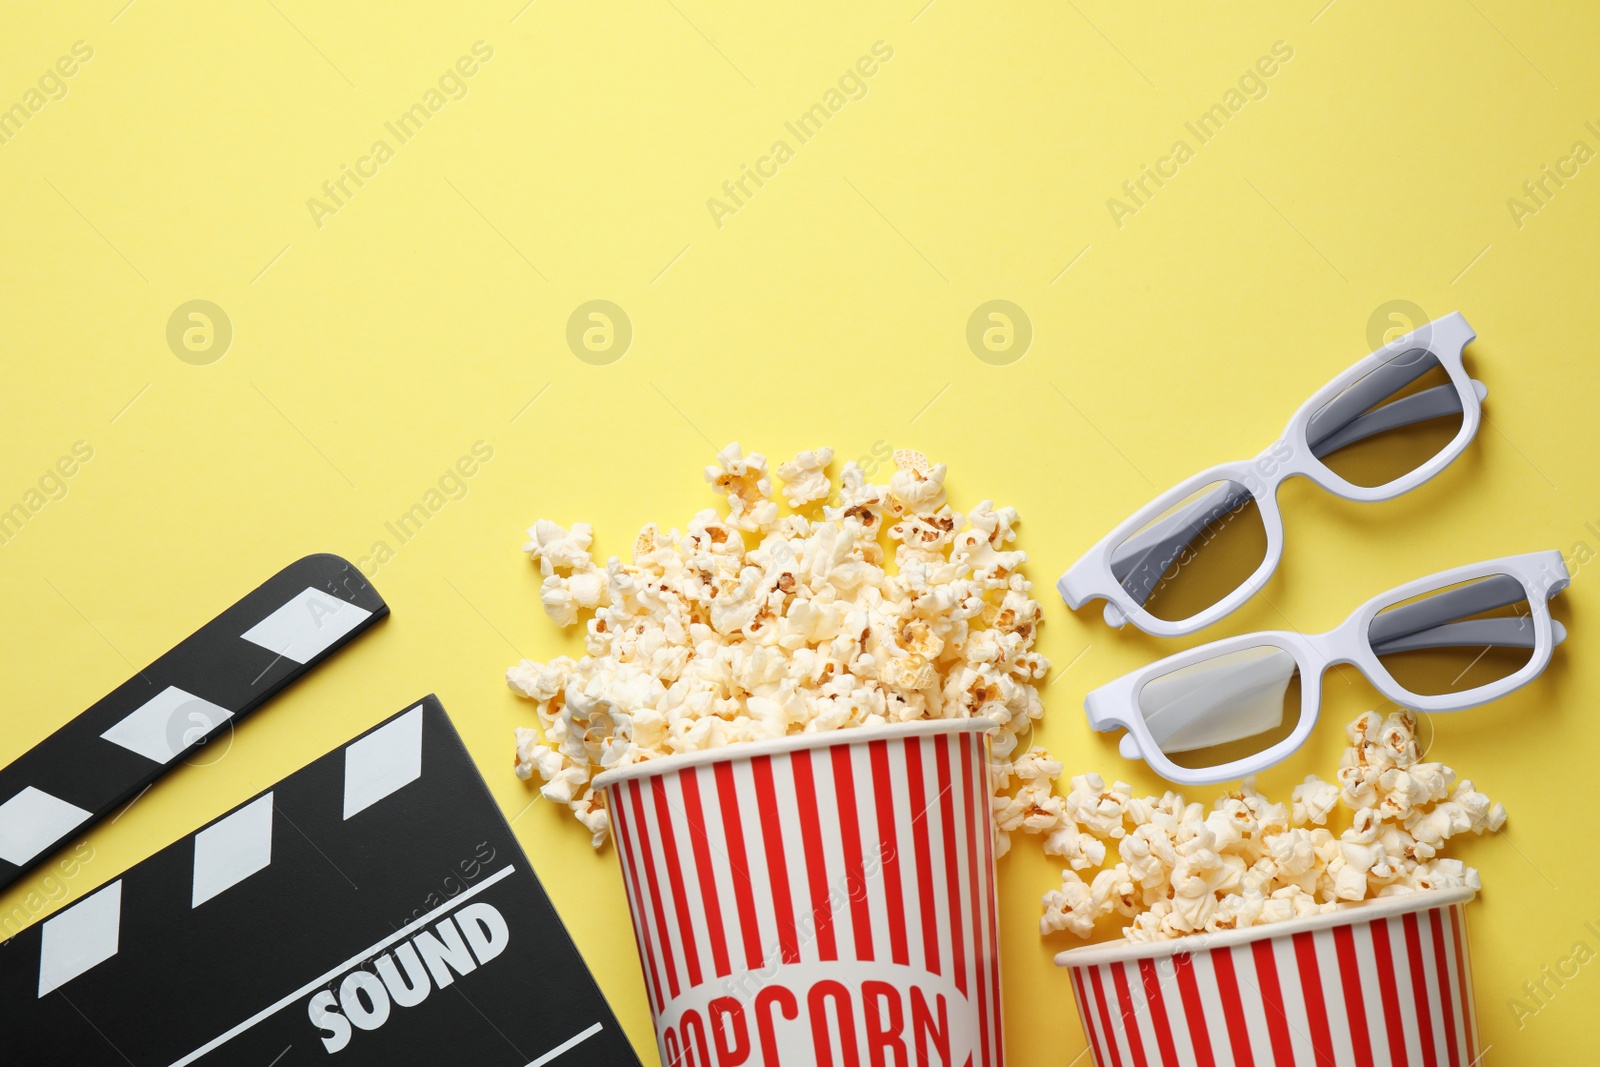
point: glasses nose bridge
(1336, 645)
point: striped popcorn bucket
(827, 896)
(1385, 982)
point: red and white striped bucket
(1384, 982)
(827, 895)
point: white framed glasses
(1234, 707)
(1201, 549)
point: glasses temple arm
(1388, 379)
(1461, 602)
(1140, 561)
(1434, 403)
(1473, 633)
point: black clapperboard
(371, 908)
(223, 671)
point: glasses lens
(1194, 553)
(1225, 708)
(1389, 422)
(1455, 639)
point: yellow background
(831, 308)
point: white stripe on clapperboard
(398, 935)
(307, 625)
(566, 1046)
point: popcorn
(1351, 867)
(1182, 870)
(805, 477)
(743, 480)
(564, 597)
(1033, 808)
(708, 639)
(1096, 808)
(1314, 800)
(1148, 854)
(1199, 880)
(917, 486)
(556, 549)
(1113, 892)
(1069, 908)
(1080, 850)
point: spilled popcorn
(705, 641)
(1182, 870)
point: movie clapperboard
(371, 908)
(229, 667)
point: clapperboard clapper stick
(227, 668)
(371, 908)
